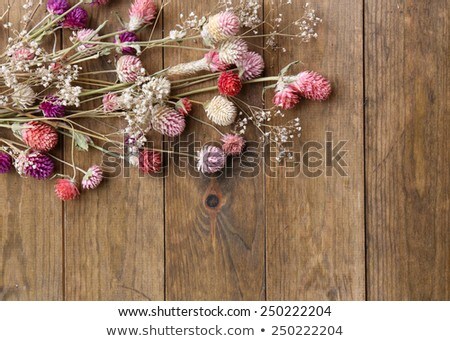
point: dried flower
(127, 37)
(75, 19)
(129, 68)
(214, 62)
(23, 96)
(57, 7)
(110, 102)
(184, 106)
(40, 136)
(232, 51)
(51, 107)
(250, 66)
(150, 161)
(6, 162)
(233, 144)
(168, 121)
(221, 111)
(229, 84)
(211, 159)
(66, 189)
(220, 27)
(34, 164)
(23, 54)
(286, 98)
(311, 85)
(85, 34)
(141, 12)
(92, 178)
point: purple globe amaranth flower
(57, 7)
(76, 19)
(5, 162)
(51, 107)
(35, 164)
(128, 37)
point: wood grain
(30, 229)
(407, 120)
(315, 223)
(114, 239)
(214, 226)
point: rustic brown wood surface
(380, 232)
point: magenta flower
(75, 19)
(5, 162)
(52, 107)
(128, 37)
(57, 7)
(35, 165)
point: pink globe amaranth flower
(214, 62)
(251, 66)
(233, 144)
(184, 106)
(57, 7)
(52, 107)
(150, 161)
(75, 19)
(141, 12)
(286, 98)
(211, 159)
(220, 27)
(312, 85)
(86, 34)
(23, 54)
(127, 37)
(35, 164)
(92, 178)
(229, 84)
(111, 102)
(229, 23)
(168, 121)
(6, 162)
(129, 68)
(39, 136)
(66, 189)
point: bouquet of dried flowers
(44, 92)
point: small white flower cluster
(307, 25)
(68, 94)
(191, 22)
(134, 140)
(246, 10)
(138, 102)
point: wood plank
(408, 183)
(315, 224)
(214, 227)
(30, 227)
(114, 237)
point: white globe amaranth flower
(232, 51)
(221, 111)
(23, 96)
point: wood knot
(212, 201)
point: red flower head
(40, 136)
(229, 84)
(184, 106)
(150, 161)
(66, 189)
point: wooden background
(381, 233)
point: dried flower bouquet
(44, 92)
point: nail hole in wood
(212, 201)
